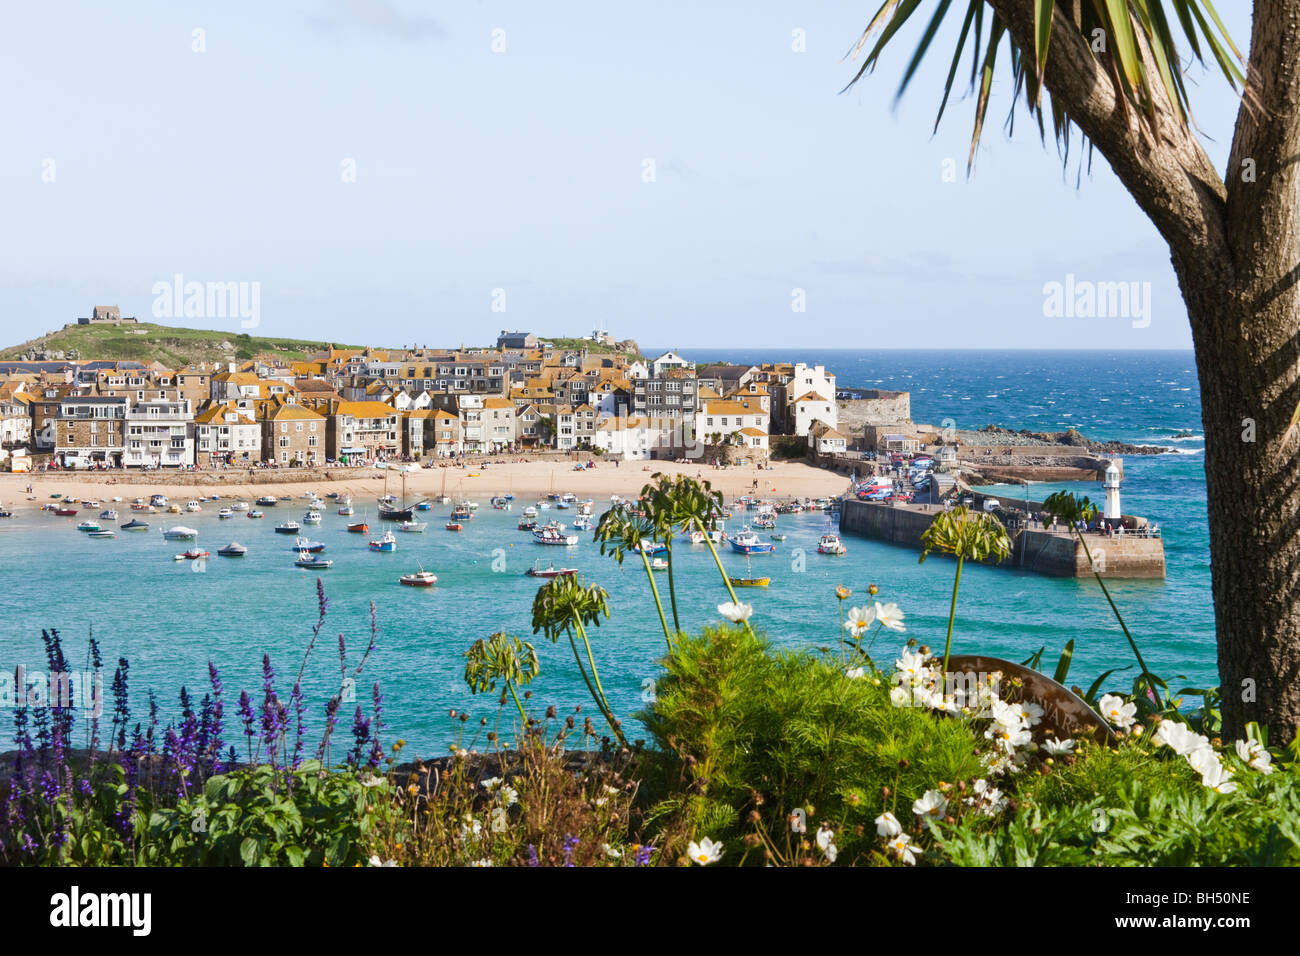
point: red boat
(455, 526)
(191, 555)
(65, 512)
(359, 528)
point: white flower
(887, 825)
(888, 615)
(1059, 748)
(375, 861)
(826, 842)
(932, 804)
(704, 852)
(859, 619)
(491, 783)
(735, 613)
(611, 852)
(1215, 776)
(1030, 713)
(853, 673)
(471, 827)
(499, 820)
(898, 697)
(901, 845)
(910, 667)
(1253, 753)
(372, 780)
(1009, 738)
(1114, 709)
(1179, 738)
(483, 862)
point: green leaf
(249, 851)
(1042, 34)
(1063, 665)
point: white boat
(717, 536)
(387, 542)
(312, 562)
(180, 533)
(158, 501)
(233, 550)
(554, 534)
(658, 564)
(311, 517)
(193, 507)
(346, 511)
(583, 523)
(109, 514)
(530, 512)
(288, 527)
(831, 544)
(240, 506)
(416, 527)
(419, 579)
(226, 513)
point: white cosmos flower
(1253, 753)
(932, 804)
(901, 845)
(1059, 748)
(1180, 738)
(898, 696)
(1216, 776)
(910, 667)
(611, 852)
(1030, 713)
(1010, 738)
(887, 825)
(859, 619)
(375, 861)
(1114, 709)
(735, 613)
(483, 862)
(704, 852)
(855, 672)
(888, 615)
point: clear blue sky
(522, 170)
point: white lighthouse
(1111, 484)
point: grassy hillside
(147, 342)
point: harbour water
(170, 618)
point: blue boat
(650, 547)
(747, 542)
(423, 506)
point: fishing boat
(225, 513)
(716, 535)
(646, 546)
(747, 542)
(831, 544)
(347, 510)
(193, 507)
(530, 512)
(88, 526)
(109, 514)
(135, 524)
(500, 503)
(554, 534)
(392, 510)
(526, 523)
(312, 563)
(305, 544)
(158, 501)
(311, 517)
(89, 504)
(179, 533)
(288, 527)
(233, 550)
(419, 579)
(143, 508)
(454, 526)
(414, 527)
(359, 527)
(268, 501)
(257, 514)
(386, 542)
(658, 564)
(766, 521)
(191, 555)
(583, 523)
(462, 512)
(777, 537)
(550, 571)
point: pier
(1055, 553)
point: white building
(669, 360)
(724, 418)
(813, 398)
(159, 434)
(633, 438)
(225, 435)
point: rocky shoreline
(994, 435)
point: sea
(170, 619)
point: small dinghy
(311, 562)
(135, 524)
(191, 555)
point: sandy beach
(526, 480)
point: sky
(390, 172)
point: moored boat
(831, 544)
(386, 542)
(747, 542)
(257, 514)
(312, 563)
(135, 524)
(180, 533)
(88, 526)
(554, 534)
(191, 555)
(268, 501)
(419, 579)
(233, 550)
(109, 514)
(288, 527)
(306, 544)
(415, 527)
(102, 533)
(454, 526)
(550, 571)
(311, 517)
(359, 527)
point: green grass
(147, 342)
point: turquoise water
(170, 620)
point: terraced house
(89, 431)
(292, 435)
(365, 430)
(159, 434)
(225, 435)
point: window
(299, 427)
(284, 426)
